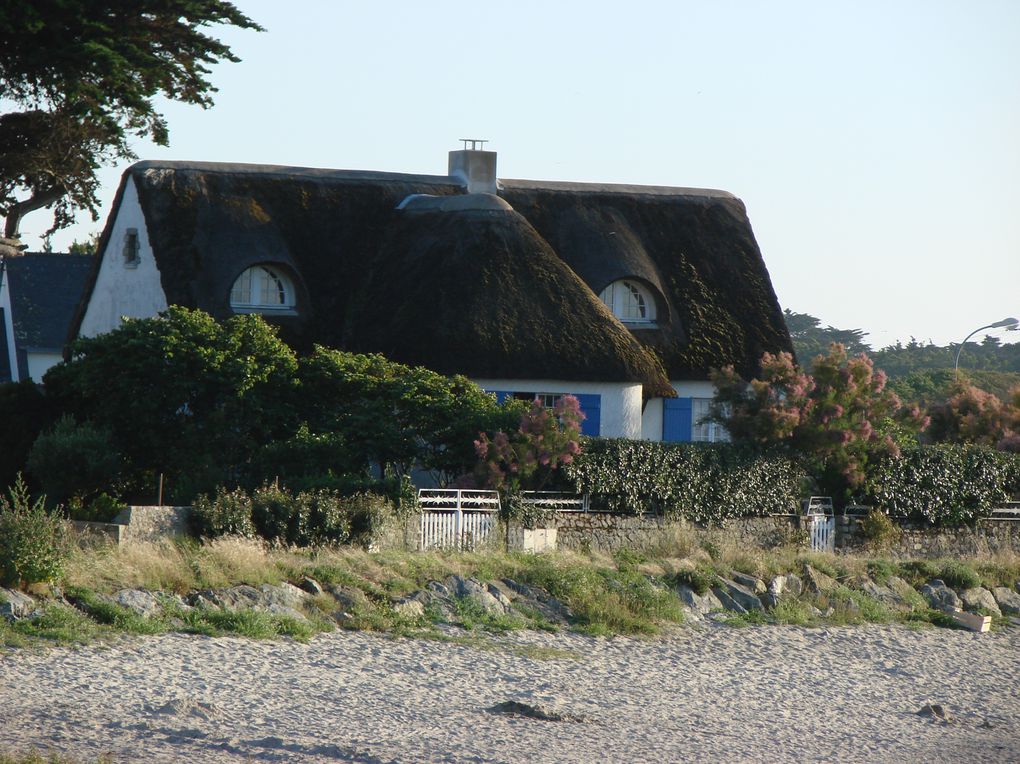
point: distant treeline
(918, 372)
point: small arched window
(262, 287)
(630, 302)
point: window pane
(633, 303)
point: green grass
(629, 593)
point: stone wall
(608, 532)
(153, 523)
(919, 539)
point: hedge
(703, 482)
(946, 484)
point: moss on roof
(511, 303)
(481, 293)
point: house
(625, 296)
(39, 293)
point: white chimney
(474, 167)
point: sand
(702, 694)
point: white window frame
(705, 432)
(262, 289)
(630, 301)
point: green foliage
(34, 543)
(307, 457)
(273, 515)
(102, 509)
(880, 531)
(83, 75)
(959, 575)
(227, 513)
(73, 459)
(700, 482)
(181, 394)
(837, 418)
(700, 581)
(309, 518)
(810, 339)
(397, 415)
(988, 355)
(945, 485)
(24, 412)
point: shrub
(700, 482)
(325, 518)
(73, 459)
(946, 485)
(273, 513)
(879, 530)
(34, 543)
(368, 514)
(227, 513)
(102, 509)
(699, 581)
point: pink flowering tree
(837, 417)
(528, 458)
(971, 415)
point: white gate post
(458, 538)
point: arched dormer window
(262, 288)
(630, 301)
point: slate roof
(483, 292)
(45, 290)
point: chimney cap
(477, 144)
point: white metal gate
(452, 518)
(823, 533)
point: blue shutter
(591, 407)
(676, 419)
(501, 395)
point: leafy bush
(368, 513)
(34, 543)
(273, 513)
(700, 482)
(879, 530)
(102, 509)
(25, 412)
(946, 485)
(73, 459)
(227, 513)
(319, 516)
(700, 581)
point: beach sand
(715, 693)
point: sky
(876, 145)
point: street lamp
(1008, 323)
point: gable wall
(120, 290)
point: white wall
(694, 389)
(620, 415)
(121, 290)
(5, 306)
(39, 362)
(651, 420)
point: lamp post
(1008, 323)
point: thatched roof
(695, 246)
(480, 290)
(486, 292)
